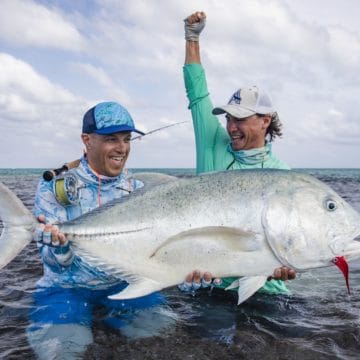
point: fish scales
(235, 223)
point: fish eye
(330, 205)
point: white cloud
(103, 79)
(306, 57)
(345, 46)
(35, 112)
(26, 23)
(28, 98)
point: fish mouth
(352, 249)
(357, 238)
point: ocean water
(319, 320)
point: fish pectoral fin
(229, 237)
(137, 289)
(247, 286)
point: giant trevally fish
(233, 223)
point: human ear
(266, 121)
(86, 140)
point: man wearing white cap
(252, 123)
(250, 117)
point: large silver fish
(233, 223)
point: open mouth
(237, 137)
(117, 159)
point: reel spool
(67, 189)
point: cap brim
(117, 129)
(234, 110)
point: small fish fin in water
(342, 264)
(247, 286)
(139, 288)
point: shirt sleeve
(207, 128)
(46, 203)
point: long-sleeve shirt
(212, 141)
(61, 267)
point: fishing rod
(158, 129)
(48, 175)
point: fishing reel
(67, 189)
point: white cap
(246, 102)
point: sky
(58, 58)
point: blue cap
(108, 118)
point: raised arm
(207, 128)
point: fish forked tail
(18, 223)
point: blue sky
(58, 58)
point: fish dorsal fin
(232, 238)
(151, 180)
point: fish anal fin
(137, 289)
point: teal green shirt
(212, 139)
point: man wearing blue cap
(100, 175)
(63, 312)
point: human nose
(121, 145)
(231, 125)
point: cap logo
(236, 98)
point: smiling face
(107, 154)
(247, 133)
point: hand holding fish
(283, 273)
(49, 234)
(196, 280)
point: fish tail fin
(18, 225)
